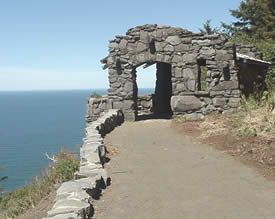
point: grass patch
(255, 118)
(20, 200)
(247, 132)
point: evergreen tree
(255, 25)
(208, 29)
(255, 18)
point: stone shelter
(195, 73)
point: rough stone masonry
(75, 198)
(196, 73)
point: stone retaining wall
(97, 105)
(74, 199)
(145, 103)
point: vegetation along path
(158, 172)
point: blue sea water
(39, 122)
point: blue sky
(57, 44)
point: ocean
(34, 123)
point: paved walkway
(159, 173)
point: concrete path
(159, 173)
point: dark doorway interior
(163, 90)
(252, 79)
(156, 104)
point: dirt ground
(257, 152)
(160, 169)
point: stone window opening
(202, 75)
(118, 67)
(226, 73)
(152, 46)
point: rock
(191, 85)
(182, 47)
(188, 73)
(168, 48)
(128, 104)
(219, 101)
(123, 44)
(113, 45)
(185, 103)
(160, 46)
(180, 87)
(234, 102)
(210, 108)
(112, 79)
(206, 42)
(141, 47)
(91, 157)
(226, 85)
(176, 59)
(116, 85)
(173, 40)
(69, 206)
(189, 58)
(144, 36)
(178, 73)
(223, 55)
(128, 87)
(207, 51)
(64, 216)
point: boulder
(234, 102)
(226, 85)
(173, 40)
(219, 101)
(185, 103)
(189, 58)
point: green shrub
(247, 132)
(256, 117)
(95, 95)
(20, 200)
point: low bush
(20, 200)
(256, 117)
(95, 95)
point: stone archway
(147, 44)
(181, 53)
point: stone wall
(145, 103)
(187, 53)
(96, 106)
(75, 198)
(194, 69)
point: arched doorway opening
(156, 104)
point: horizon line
(69, 89)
